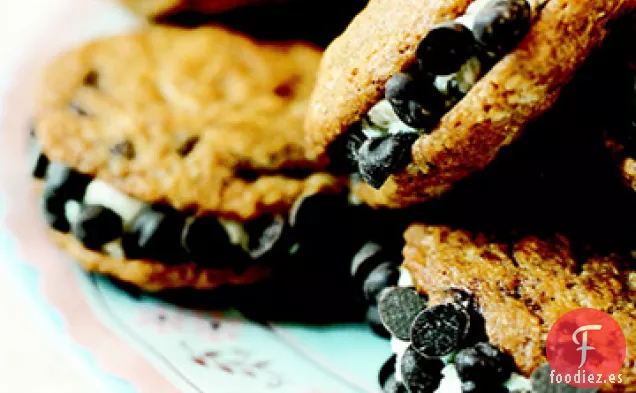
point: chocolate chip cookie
(471, 312)
(172, 158)
(416, 96)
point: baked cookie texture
(211, 120)
(155, 276)
(381, 42)
(157, 8)
(205, 121)
(523, 285)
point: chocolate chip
(502, 24)
(387, 380)
(387, 370)
(156, 234)
(398, 308)
(38, 162)
(483, 365)
(542, 382)
(392, 385)
(472, 387)
(91, 79)
(382, 156)
(415, 100)
(124, 148)
(65, 182)
(96, 226)
(420, 374)
(343, 152)
(445, 48)
(287, 88)
(53, 209)
(265, 233)
(312, 214)
(188, 145)
(370, 255)
(206, 241)
(39, 169)
(383, 276)
(439, 330)
(375, 322)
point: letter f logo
(584, 347)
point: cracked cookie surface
(179, 116)
(523, 286)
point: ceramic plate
(137, 343)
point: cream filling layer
(101, 193)
(381, 120)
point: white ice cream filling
(450, 382)
(381, 119)
(102, 194)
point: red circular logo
(586, 348)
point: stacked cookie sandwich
(420, 101)
(415, 96)
(172, 158)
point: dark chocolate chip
(313, 214)
(156, 234)
(287, 89)
(206, 241)
(96, 226)
(439, 330)
(420, 374)
(472, 387)
(387, 379)
(91, 79)
(501, 25)
(401, 87)
(39, 170)
(445, 48)
(484, 365)
(386, 371)
(37, 160)
(392, 385)
(124, 148)
(53, 209)
(373, 319)
(188, 145)
(416, 101)
(265, 233)
(343, 152)
(542, 383)
(383, 276)
(65, 182)
(370, 255)
(398, 308)
(380, 157)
